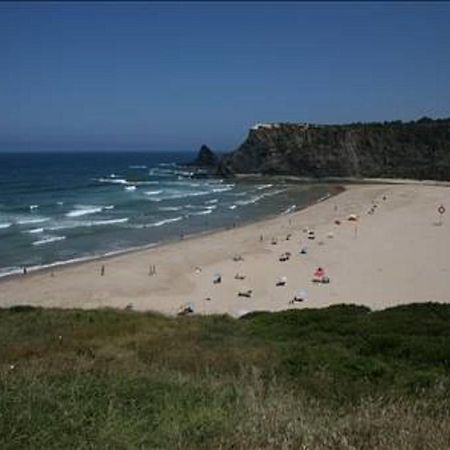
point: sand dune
(396, 255)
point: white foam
(143, 183)
(106, 222)
(153, 192)
(223, 189)
(165, 221)
(250, 201)
(201, 213)
(214, 200)
(170, 208)
(232, 207)
(91, 223)
(175, 196)
(264, 186)
(289, 210)
(35, 230)
(257, 198)
(81, 210)
(32, 207)
(130, 188)
(137, 166)
(34, 220)
(60, 203)
(113, 180)
(109, 207)
(5, 225)
(49, 239)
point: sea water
(59, 207)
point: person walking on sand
(102, 271)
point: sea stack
(206, 158)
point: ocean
(61, 207)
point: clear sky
(171, 76)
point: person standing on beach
(102, 271)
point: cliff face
(419, 150)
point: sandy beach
(400, 253)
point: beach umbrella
(319, 272)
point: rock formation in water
(206, 158)
(418, 149)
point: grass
(336, 378)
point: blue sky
(171, 76)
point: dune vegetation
(343, 377)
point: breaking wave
(81, 210)
(49, 239)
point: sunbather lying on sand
(247, 293)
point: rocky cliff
(419, 150)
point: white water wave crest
(165, 221)
(26, 221)
(201, 213)
(49, 239)
(264, 186)
(170, 208)
(88, 223)
(84, 210)
(35, 230)
(113, 180)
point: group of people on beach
(319, 276)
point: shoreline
(394, 253)
(58, 265)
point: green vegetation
(336, 378)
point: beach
(395, 252)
